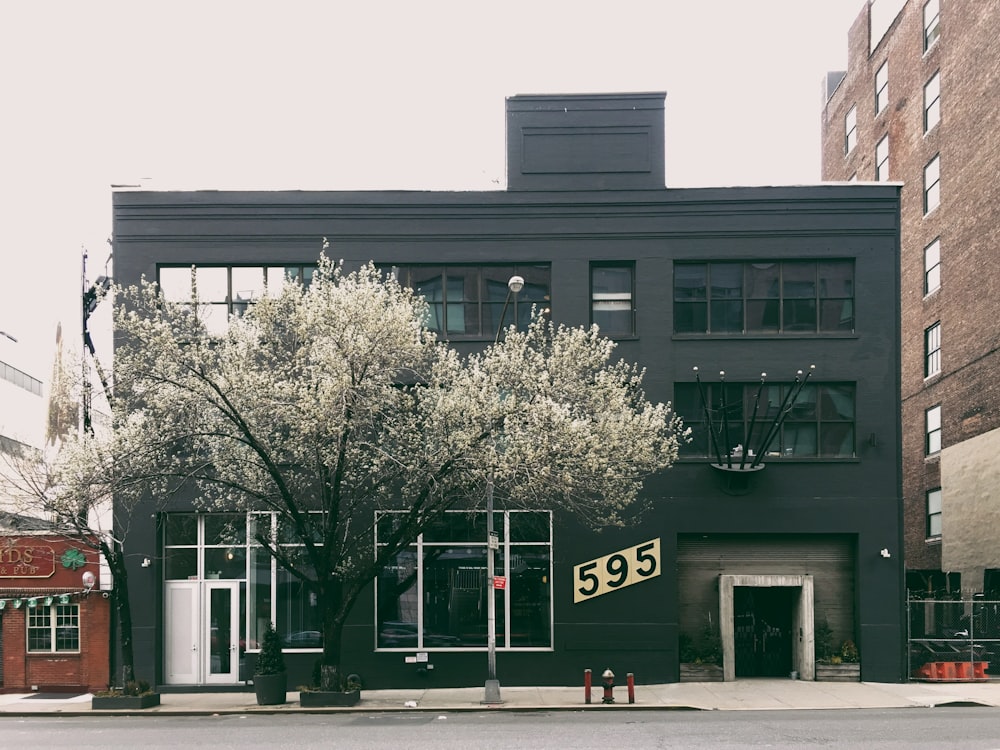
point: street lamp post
(492, 688)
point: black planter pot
(271, 689)
(329, 698)
(124, 702)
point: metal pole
(492, 688)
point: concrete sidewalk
(742, 695)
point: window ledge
(846, 335)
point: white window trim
(932, 351)
(936, 244)
(880, 161)
(936, 161)
(934, 78)
(880, 104)
(939, 513)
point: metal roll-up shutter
(828, 558)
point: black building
(754, 564)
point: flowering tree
(323, 405)
(88, 487)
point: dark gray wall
(636, 628)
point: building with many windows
(780, 520)
(918, 105)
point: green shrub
(270, 660)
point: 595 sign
(616, 571)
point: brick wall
(967, 54)
(87, 670)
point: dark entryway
(763, 630)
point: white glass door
(222, 632)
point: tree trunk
(331, 677)
(116, 563)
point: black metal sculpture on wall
(740, 464)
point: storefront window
(434, 593)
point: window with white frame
(882, 87)
(851, 130)
(433, 594)
(221, 291)
(932, 102)
(934, 513)
(932, 350)
(932, 23)
(932, 423)
(882, 159)
(54, 628)
(932, 266)
(932, 184)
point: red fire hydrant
(608, 678)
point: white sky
(363, 95)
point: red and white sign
(499, 582)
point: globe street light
(492, 688)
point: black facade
(814, 537)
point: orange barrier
(952, 671)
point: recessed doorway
(766, 624)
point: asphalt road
(974, 728)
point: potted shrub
(839, 666)
(134, 694)
(702, 661)
(270, 679)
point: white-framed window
(882, 159)
(932, 102)
(612, 298)
(882, 87)
(851, 130)
(932, 430)
(54, 628)
(222, 291)
(932, 266)
(433, 593)
(934, 513)
(932, 350)
(932, 23)
(932, 184)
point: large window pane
(248, 286)
(180, 529)
(398, 599)
(454, 591)
(175, 284)
(531, 597)
(181, 564)
(259, 595)
(298, 618)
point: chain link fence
(953, 640)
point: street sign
(499, 582)
(494, 541)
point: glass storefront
(434, 595)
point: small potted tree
(270, 679)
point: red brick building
(54, 619)
(918, 104)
